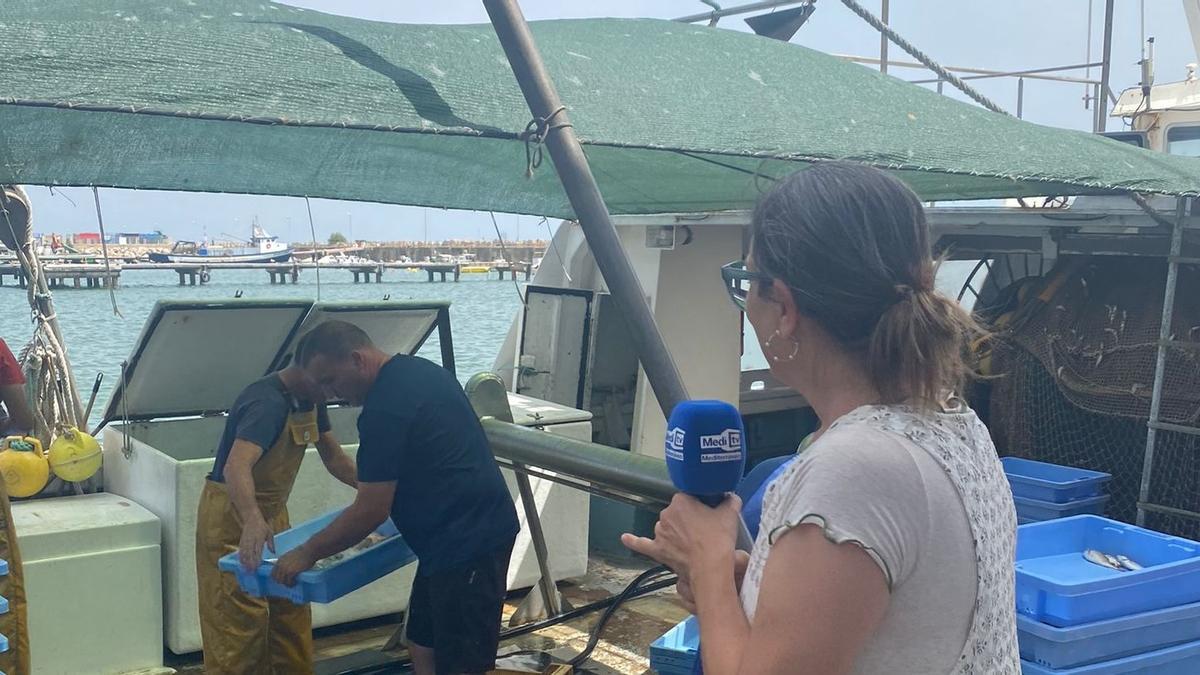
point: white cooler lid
(194, 358)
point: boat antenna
(112, 291)
(313, 230)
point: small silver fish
(1128, 564)
(1097, 558)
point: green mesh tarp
(256, 97)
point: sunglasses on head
(738, 279)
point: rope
(922, 57)
(112, 292)
(313, 230)
(535, 135)
(504, 250)
(554, 246)
(54, 397)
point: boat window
(1184, 140)
(1137, 138)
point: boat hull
(269, 257)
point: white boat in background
(343, 259)
(263, 248)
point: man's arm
(239, 483)
(336, 461)
(20, 415)
(371, 507)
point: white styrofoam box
(89, 564)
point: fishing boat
(578, 414)
(263, 248)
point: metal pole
(1105, 67)
(733, 11)
(1097, 110)
(883, 39)
(1160, 363)
(1020, 96)
(586, 200)
(534, 522)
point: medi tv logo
(675, 439)
(727, 446)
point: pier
(69, 273)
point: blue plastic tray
(3, 605)
(1178, 660)
(1107, 640)
(330, 583)
(1036, 510)
(675, 652)
(3, 567)
(3, 643)
(1051, 482)
(1055, 585)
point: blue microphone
(706, 452)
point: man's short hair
(332, 339)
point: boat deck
(623, 648)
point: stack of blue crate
(1100, 597)
(677, 652)
(1044, 491)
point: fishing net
(1074, 359)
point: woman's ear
(788, 314)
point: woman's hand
(690, 535)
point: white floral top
(925, 495)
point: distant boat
(343, 259)
(263, 248)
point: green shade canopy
(263, 98)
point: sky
(1009, 35)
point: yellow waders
(13, 625)
(241, 633)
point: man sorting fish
(424, 460)
(243, 505)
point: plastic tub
(1109, 639)
(1056, 585)
(1178, 660)
(331, 582)
(1051, 482)
(676, 651)
(1036, 510)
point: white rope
(313, 230)
(55, 399)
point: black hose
(610, 604)
(594, 634)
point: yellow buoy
(23, 465)
(75, 456)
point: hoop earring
(778, 359)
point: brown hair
(852, 245)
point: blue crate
(3, 643)
(1106, 640)
(1178, 660)
(3, 605)
(677, 651)
(1055, 585)
(3, 568)
(1037, 510)
(1051, 482)
(328, 584)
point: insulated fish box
(164, 421)
(323, 583)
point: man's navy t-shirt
(259, 415)
(418, 428)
